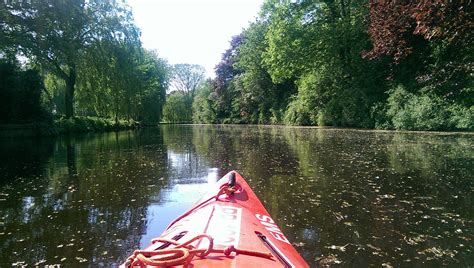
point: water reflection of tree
(16, 154)
(339, 195)
(428, 153)
(185, 165)
(262, 155)
(357, 197)
(92, 206)
(70, 157)
(243, 148)
(360, 198)
(383, 197)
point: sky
(195, 32)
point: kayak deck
(228, 227)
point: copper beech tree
(394, 24)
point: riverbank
(369, 130)
(60, 126)
(82, 124)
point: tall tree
(258, 99)
(127, 83)
(187, 77)
(155, 79)
(394, 25)
(202, 106)
(177, 108)
(429, 42)
(55, 34)
(225, 72)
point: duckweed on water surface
(343, 197)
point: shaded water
(343, 197)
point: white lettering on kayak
(264, 218)
(225, 225)
(270, 225)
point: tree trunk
(70, 84)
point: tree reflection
(70, 157)
(90, 209)
(354, 197)
(16, 154)
(349, 197)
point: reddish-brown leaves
(393, 24)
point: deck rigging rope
(183, 253)
(224, 189)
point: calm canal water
(343, 197)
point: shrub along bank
(92, 124)
(59, 126)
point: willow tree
(56, 34)
(187, 77)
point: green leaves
(203, 111)
(123, 81)
(177, 108)
(187, 77)
(94, 47)
(58, 35)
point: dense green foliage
(90, 57)
(177, 108)
(426, 111)
(88, 124)
(356, 63)
(129, 83)
(20, 95)
(347, 63)
(186, 79)
(202, 109)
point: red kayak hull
(239, 220)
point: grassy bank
(91, 124)
(62, 126)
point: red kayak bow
(229, 227)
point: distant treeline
(356, 63)
(68, 58)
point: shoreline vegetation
(79, 124)
(440, 132)
(390, 66)
(98, 125)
